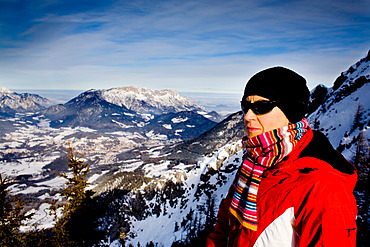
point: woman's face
(258, 124)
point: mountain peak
(4, 90)
(11, 102)
(335, 111)
(145, 100)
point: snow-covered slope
(174, 206)
(345, 110)
(203, 188)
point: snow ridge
(345, 103)
(143, 100)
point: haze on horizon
(187, 46)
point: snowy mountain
(11, 102)
(90, 110)
(343, 111)
(156, 102)
(164, 114)
(142, 100)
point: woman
(293, 188)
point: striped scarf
(261, 152)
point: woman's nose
(249, 115)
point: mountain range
(129, 109)
(11, 102)
(159, 185)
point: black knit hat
(284, 86)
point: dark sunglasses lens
(262, 107)
(259, 107)
(245, 106)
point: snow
(156, 170)
(155, 136)
(147, 117)
(129, 114)
(177, 132)
(132, 97)
(40, 220)
(28, 190)
(93, 178)
(29, 165)
(344, 112)
(131, 166)
(179, 120)
(182, 166)
(167, 126)
(156, 151)
(122, 125)
(161, 229)
(155, 229)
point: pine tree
(76, 196)
(358, 120)
(362, 162)
(11, 215)
(361, 158)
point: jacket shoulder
(320, 148)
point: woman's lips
(252, 129)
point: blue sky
(188, 46)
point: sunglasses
(258, 107)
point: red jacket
(305, 200)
